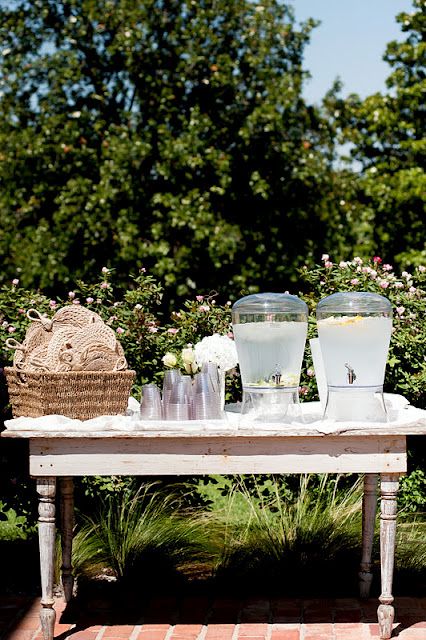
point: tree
(388, 134)
(169, 134)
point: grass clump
(265, 536)
(145, 530)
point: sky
(349, 43)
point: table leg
(67, 528)
(46, 489)
(369, 507)
(388, 489)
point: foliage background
(175, 136)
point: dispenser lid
(258, 303)
(354, 302)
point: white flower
(357, 260)
(325, 257)
(76, 114)
(73, 19)
(169, 360)
(422, 268)
(188, 355)
(218, 349)
(406, 275)
(6, 52)
(343, 264)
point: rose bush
(153, 342)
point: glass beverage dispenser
(354, 330)
(270, 333)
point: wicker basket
(76, 394)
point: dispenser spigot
(351, 373)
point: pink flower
(173, 331)
(322, 281)
(15, 282)
(377, 260)
(398, 285)
(230, 335)
(89, 300)
(310, 372)
(325, 257)
(71, 295)
(142, 270)
(152, 329)
(105, 270)
(76, 301)
(328, 264)
(412, 289)
(21, 310)
(373, 274)
(343, 264)
(52, 303)
(204, 308)
(422, 268)
(120, 330)
(387, 267)
(357, 260)
(104, 285)
(303, 391)
(400, 310)
(384, 284)
(354, 281)
(199, 298)
(11, 329)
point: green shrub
(135, 531)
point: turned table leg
(388, 489)
(369, 506)
(46, 489)
(67, 527)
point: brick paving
(201, 618)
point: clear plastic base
(355, 404)
(271, 405)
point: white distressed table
(220, 448)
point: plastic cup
(213, 372)
(177, 411)
(151, 403)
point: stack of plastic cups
(213, 372)
(178, 406)
(171, 377)
(206, 400)
(151, 403)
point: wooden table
(297, 449)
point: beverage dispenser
(270, 334)
(354, 330)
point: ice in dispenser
(270, 334)
(354, 330)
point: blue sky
(349, 43)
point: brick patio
(200, 618)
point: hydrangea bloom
(218, 349)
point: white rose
(169, 360)
(188, 355)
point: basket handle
(121, 364)
(11, 343)
(36, 316)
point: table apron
(195, 456)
